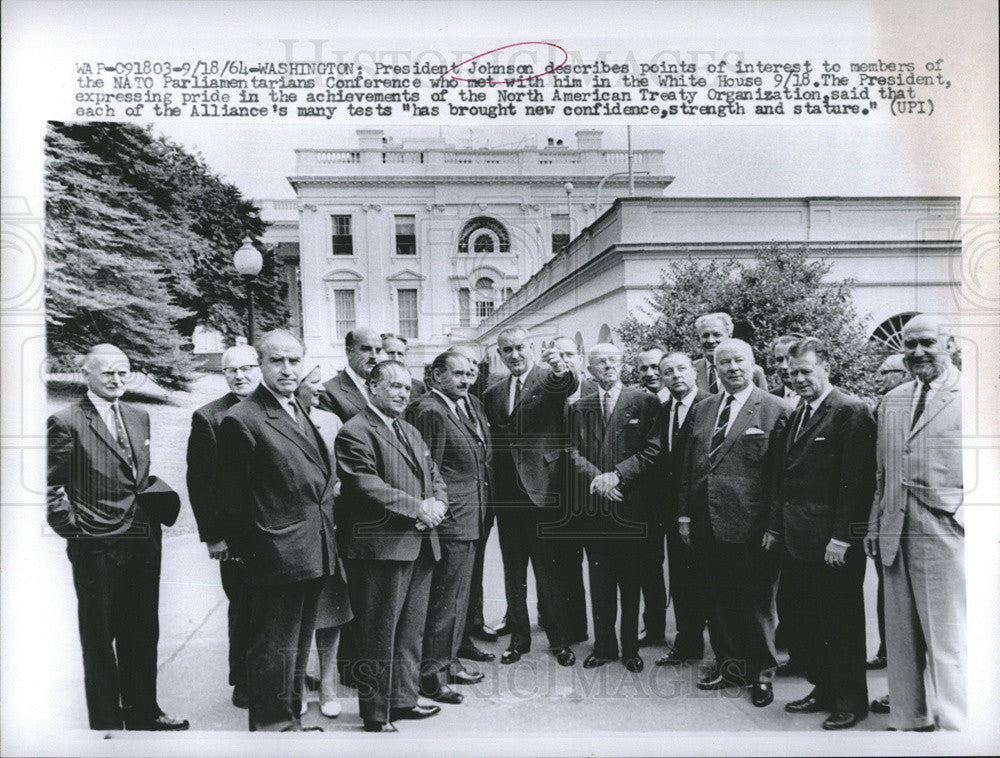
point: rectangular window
(464, 307)
(483, 308)
(343, 308)
(560, 231)
(406, 301)
(342, 242)
(406, 235)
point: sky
(706, 161)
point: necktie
(921, 403)
(719, 437)
(606, 406)
(122, 436)
(517, 393)
(675, 426)
(713, 381)
(404, 442)
(806, 415)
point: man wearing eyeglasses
(917, 530)
(98, 471)
(242, 373)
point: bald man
(241, 371)
(916, 529)
(98, 472)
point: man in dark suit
(779, 360)
(723, 507)
(476, 627)
(394, 349)
(98, 468)
(242, 373)
(713, 328)
(347, 393)
(458, 437)
(825, 477)
(526, 414)
(392, 499)
(607, 427)
(277, 492)
(654, 590)
(687, 587)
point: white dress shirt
(612, 398)
(389, 422)
(106, 410)
(947, 378)
(679, 410)
(510, 389)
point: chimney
(589, 139)
(370, 137)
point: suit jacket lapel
(352, 392)
(137, 439)
(389, 436)
(620, 416)
(101, 430)
(279, 419)
(939, 400)
(740, 424)
(530, 380)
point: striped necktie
(122, 437)
(719, 436)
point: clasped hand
(432, 512)
(607, 485)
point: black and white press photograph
(534, 436)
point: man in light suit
(452, 425)
(392, 499)
(607, 427)
(277, 489)
(723, 508)
(98, 470)
(526, 413)
(242, 373)
(347, 393)
(713, 328)
(916, 528)
(825, 477)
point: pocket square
(633, 421)
(820, 439)
(754, 430)
(146, 443)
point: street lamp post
(248, 262)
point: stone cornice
(397, 181)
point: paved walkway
(534, 696)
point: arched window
(484, 235)
(604, 335)
(890, 331)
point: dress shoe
(790, 668)
(162, 723)
(511, 656)
(646, 639)
(331, 709)
(762, 694)
(484, 633)
(442, 694)
(674, 658)
(842, 720)
(713, 681)
(880, 706)
(240, 697)
(809, 704)
(634, 664)
(475, 654)
(466, 677)
(565, 656)
(875, 663)
(374, 726)
(414, 713)
(592, 661)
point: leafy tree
(781, 289)
(139, 242)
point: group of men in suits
(742, 485)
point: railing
(337, 156)
(620, 157)
(402, 157)
(476, 158)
